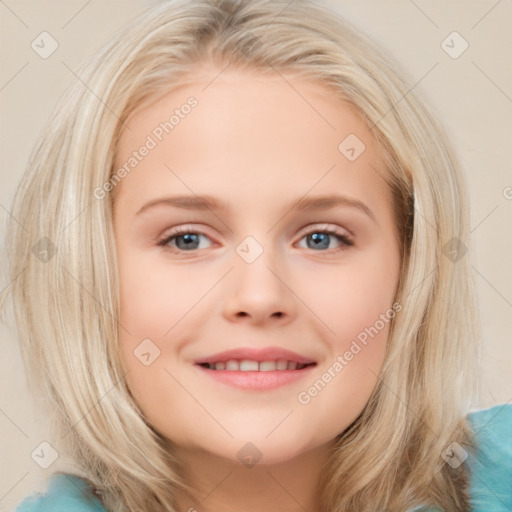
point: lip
(265, 354)
(257, 381)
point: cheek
(155, 296)
(348, 375)
(159, 304)
(150, 307)
(356, 306)
(354, 297)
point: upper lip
(253, 354)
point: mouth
(247, 365)
(259, 370)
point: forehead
(249, 134)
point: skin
(258, 144)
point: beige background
(473, 93)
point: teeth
(247, 365)
(281, 364)
(267, 366)
(232, 365)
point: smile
(258, 369)
(248, 365)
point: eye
(319, 239)
(185, 239)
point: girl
(245, 285)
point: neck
(224, 485)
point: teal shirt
(490, 483)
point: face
(290, 259)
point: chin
(262, 450)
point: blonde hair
(66, 304)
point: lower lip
(259, 381)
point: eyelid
(325, 226)
(181, 230)
(344, 235)
(321, 227)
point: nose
(259, 291)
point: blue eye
(183, 239)
(320, 239)
(189, 239)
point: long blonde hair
(64, 275)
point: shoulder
(65, 493)
(491, 466)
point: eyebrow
(206, 202)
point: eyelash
(344, 239)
